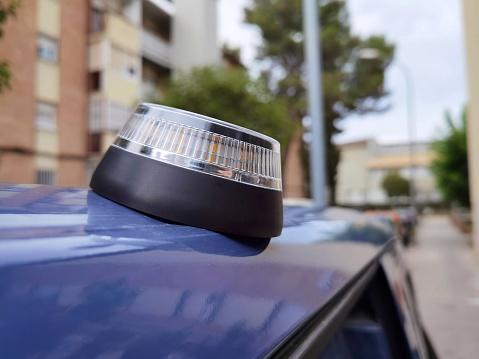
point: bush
(450, 163)
(395, 185)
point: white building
(135, 47)
(364, 164)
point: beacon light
(195, 170)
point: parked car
(403, 222)
(393, 219)
(409, 219)
(84, 277)
(183, 251)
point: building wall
(47, 82)
(72, 173)
(353, 177)
(73, 105)
(195, 20)
(364, 164)
(48, 17)
(122, 33)
(113, 52)
(62, 84)
(47, 88)
(15, 167)
(18, 47)
(116, 53)
(121, 89)
(471, 22)
(424, 184)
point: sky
(429, 43)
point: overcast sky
(429, 39)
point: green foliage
(230, 95)
(5, 76)
(7, 8)
(450, 162)
(351, 85)
(395, 185)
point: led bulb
(195, 170)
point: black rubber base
(187, 196)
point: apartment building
(43, 132)
(364, 164)
(79, 67)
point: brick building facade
(78, 68)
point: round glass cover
(203, 144)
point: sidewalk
(446, 277)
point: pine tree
(351, 84)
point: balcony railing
(107, 116)
(155, 49)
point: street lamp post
(312, 48)
(411, 129)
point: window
(94, 81)
(97, 20)
(95, 143)
(375, 327)
(46, 117)
(131, 64)
(47, 49)
(96, 115)
(116, 5)
(46, 177)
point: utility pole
(312, 48)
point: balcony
(165, 6)
(155, 49)
(107, 116)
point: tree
(395, 185)
(232, 56)
(7, 8)
(351, 85)
(450, 162)
(230, 95)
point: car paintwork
(83, 277)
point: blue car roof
(81, 276)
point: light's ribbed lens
(203, 144)
(195, 170)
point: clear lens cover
(203, 144)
